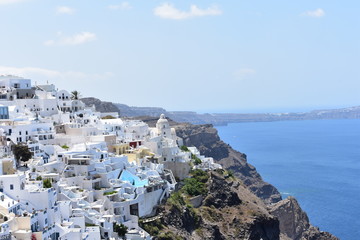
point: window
(11, 186)
(19, 132)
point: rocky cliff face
(293, 221)
(228, 211)
(206, 139)
(100, 106)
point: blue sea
(317, 161)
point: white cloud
(43, 74)
(315, 13)
(5, 2)
(121, 6)
(168, 11)
(65, 10)
(75, 39)
(243, 73)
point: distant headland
(223, 118)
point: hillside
(228, 210)
(223, 118)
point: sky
(224, 56)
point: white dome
(162, 119)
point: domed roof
(162, 119)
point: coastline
(317, 159)
(293, 221)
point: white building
(87, 172)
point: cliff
(206, 139)
(228, 211)
(100, 106)
(293, 221)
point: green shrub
(47, 183)
(194, 187)
(200, 175)
(38, 178)
(197, 160)
(184, 148)
(66, 147)
(153, 228)
(176, 200)
(109, 193)
(196, 184)
(230, 173)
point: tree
(75, 95)
(21, 153)
(120, 229)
